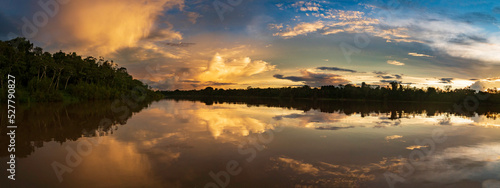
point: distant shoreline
(311, 99)
(364, 93)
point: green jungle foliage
(44, 77)
(394, 92)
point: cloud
(298, 166)
(379, 72)
(419, 55)
(315, 79)
(393, 137)
(480, 17)
(306, 6)
(179, 44)
(333, 128)
(95, 27)
(229, 67)
(301, 29)
(468, 39)
(192, 16)
(446, 80)
(336, 69)
(388, 81)
(221, 69)
(463, 163)
(345, 21)
(385, 77)
(393, 62)
(483, 85)
(323, 174)
(449, 36)
(496, 10)
(164, 34)
(414, 147)
(315, 119)
(460, 37)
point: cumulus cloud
(393, 62)
(97, 27)
(315, 79)
(225, 69)
(220, 69)
(483, 85)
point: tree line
(43, 76)
(393, 92)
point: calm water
(255, 144)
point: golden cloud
(393, 62)
(97, 27)
(221, 69)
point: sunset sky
(177, 44)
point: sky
(193, 44)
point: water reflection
(330, 144)
(58, 122)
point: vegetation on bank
(42, 77)
(394, 92)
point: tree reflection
(44, 122)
